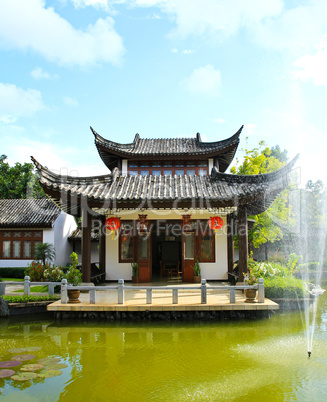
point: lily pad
(24, 376)
(7, 364)
(23, 350)
(6, 373)
(23, 358)
(31, 367)
(55, 366)
(49, 373)
(47, 360)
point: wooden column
(230, 243)
(242, 241)
(102, 246)
(86, 245)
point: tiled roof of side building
(219, 189)
(29, 213)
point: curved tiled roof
(217, 190)
(167, 147)
(31, 213)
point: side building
(27, 222)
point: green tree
(267, 225)
(18, 181)
(44, 252)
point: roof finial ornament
(198, 137)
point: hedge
(25, 299)
(17, 272)
(285, 287)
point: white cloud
(218, 120)
(174, 50)
(38, 73)
(313, 66)
(194, 17)
(16, 102)
(188, 51)
(94, 3)
(64, 160)
(70, 101)
(29, 25)
(204, 81)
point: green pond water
(263, 360)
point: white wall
(63, 227)
(114, 269)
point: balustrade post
(26, 286)
(2, 289)
(121, 291)
(203, 291)
(175, 296)
(51, 289)
(64, 293)
(149, 296)
(92, 296)
(232, 295)
(261, 291)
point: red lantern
(216, 223)
(112, 224)
(142, 224)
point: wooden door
(144, 257)
(188, 256)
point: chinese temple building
(165, 203)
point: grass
(12, 279)
(35, 289)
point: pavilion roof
(29, 213)
(168, 148)
(126, 192)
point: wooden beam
(102, 246)
(242, 241)
(230, 243)
(86, 245)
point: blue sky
(161, 68)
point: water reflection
(215, 361)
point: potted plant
(250, 279)
(197, 272)
(135, 272)
(74, 278)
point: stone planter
(250, 295)
(196, 279)
(135, 279)
(73, 296)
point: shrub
(18, 272)
(74, 276)
(285, 287)
(36, 271)
(53, 274)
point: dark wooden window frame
(199, 239)
(121, 233)
(33, 239)
(197, 166)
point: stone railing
(203, 291)
(121, 288)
